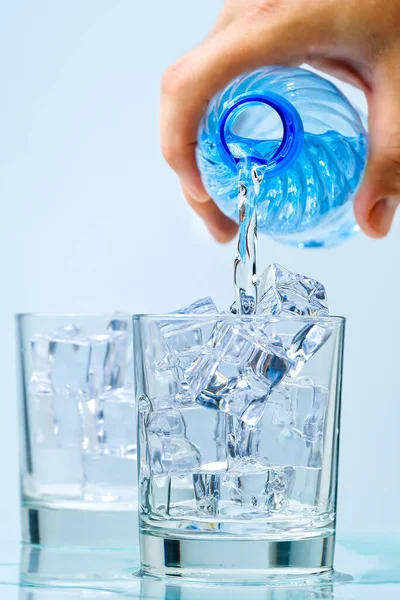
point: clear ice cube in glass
(282, 291)
(239, 387)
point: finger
(190, 83)
(379, 196)
(219, 225)
(226, 16)
(342, 70)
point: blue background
(93, 220)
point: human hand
(356, 40)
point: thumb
(379, 196)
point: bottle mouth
(292, 138)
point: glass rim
(181, 317)
(233, 317)
(77, 315)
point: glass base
(61, 527)
(230, 559)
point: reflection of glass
(238, 480)
(166, 590)
(80, 568)
(78, 433)
(63, 594)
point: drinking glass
(237, 444)
(77, 430)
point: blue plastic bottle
(309, 143)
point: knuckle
(177, 78)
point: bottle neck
(292, 139)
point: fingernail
(381, 215)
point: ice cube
(260, 488)
(240, 347)
(161, 364)
(56, 446)
(43, 422)
(237, 389)
(172, 401)
(40, 382)
(171, 494)
(173, 455)
(183, 339)
(292, 425)
(268, 366)
(218, 388)
(278, 489)
(55, 429)
(313, 424)
(282, 291)
(305, 344)
(243, 440)
(193, 489)
(170, 451)
(207, 431)
(204, 306)
(237, 398)
(56, 419)
(109, 423)
(69, 360)
(207, 492)
(185, 335)
(168, 422)
(290, 431)
(247, 478)
(109, 446)
(67, 406)
(200, 373)
(121, 365)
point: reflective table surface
(367, 568)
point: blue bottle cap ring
(292, 139)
